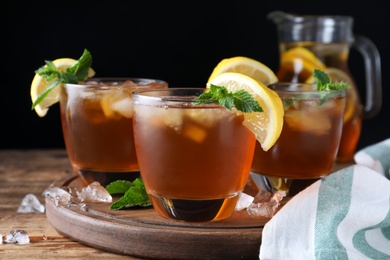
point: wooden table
(25, 172)
(32, 171)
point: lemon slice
(247, 66)
(266, 125)
(309, 60)
(39, 84)
(280, 183)
(352, 97)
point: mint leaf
(134, 196)
(322, 79)
(74, 74)
(49, 72)
(241, 99)
(244, 102)
(324, 84)
(81, 68)
(119, 187)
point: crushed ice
(265, 203)
(31, 204)
(94, 192)
(16, 236)
(244, 201)
(60, 196)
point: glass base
(290, 186)
(192, 210)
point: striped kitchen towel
(376, 156)
(345, 215)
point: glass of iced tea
(308, 42)
(307, 147)
(194, 159)
(97, 124)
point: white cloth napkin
(345, 215)
(376, 156)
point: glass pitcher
(311, 42)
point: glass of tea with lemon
(312, 120)
(308, 144)
(195, 145)
(308, 42)
(96, 117)
(97, 124)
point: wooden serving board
(140, 232)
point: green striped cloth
(376, 156)
(345, 215)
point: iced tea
(308, 144)
(299, 59)
(97, 119)
(194, 159)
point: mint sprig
(134, 194)
(119, 187)
(324, 84)
(74, 74)
(241, 99)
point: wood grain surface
(32, 171)
(59, 232)
(102, 233)
(141, 232)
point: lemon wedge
(247, 66)
(266, 125)
(39, 84)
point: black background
(180, 42)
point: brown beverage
(194, 159)
(97, 126)
(308, 42)
(308, 144)
(299, 59)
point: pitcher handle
(372, 63)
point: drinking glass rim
(142, 94)
(296, 88)
(92, 83)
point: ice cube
(195, 132)
(112, 103)
(123, 107)
(17, 236)
(173, 118)
(265, 204)
(31, 204)
(244, 201)
(59, 196)
(86, 94)
(201, 120)
(314, 121)
(94, 192)
(207, 117)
